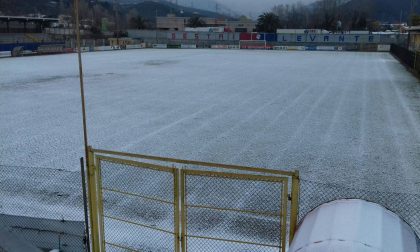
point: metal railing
(147, 203)
(409, 58)
(42, 208)
(405, 205)
(226, 212)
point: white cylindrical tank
(353, 226)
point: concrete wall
(46, 233)
(210, 38)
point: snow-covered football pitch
(347, 118)
(343, 117)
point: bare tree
(268, 22)
(292, 16)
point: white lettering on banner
(313, 37)
(328, 38)
(280, 48)
(160, 46)
(219, 46)
(139, 46)
(103, 48)
(186, 46)
(384, 48)
(5, 54)
(325, 48)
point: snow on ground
(343, 117)
(347, 118)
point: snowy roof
(353, 225)
(414, 28)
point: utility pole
(92, 4)
(61, 7)
(81, 80)
(401, 13)
(117, 26)
(156, 31)
(412, 11)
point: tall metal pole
(82, 90)
(156, 31)
(85, 203)
(95, 231)
(412, 12)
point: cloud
(255, 7)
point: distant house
(414, 38)
(174, 23)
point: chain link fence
(159, 204)
(409, 58)
(139, 206)
(41, 208)
(231, 212)
(314, 194)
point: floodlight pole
(82, 90)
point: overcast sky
(255, 7)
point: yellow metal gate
(146, 203)
(138, 207)
(233, 212)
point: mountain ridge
(52, 7)
(391, 11)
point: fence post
(176, 173)
(85, 203)
(294, 208)
(93, 201)
(183, 213)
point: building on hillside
(302, 31)
(107, 25)
(121, 42)
(241, 25)
(414, 38)
(21, 24)
(173, 23)
(64, 21)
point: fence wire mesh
(41, 208)
(233, 213)
(252, 205)
(410, 58)
(314, 194)
(138, 207)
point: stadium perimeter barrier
(314, 194)
(409, 58)
(217, 207)
(41, 209)
(141, 202)
(147, 203)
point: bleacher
(13, 38)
